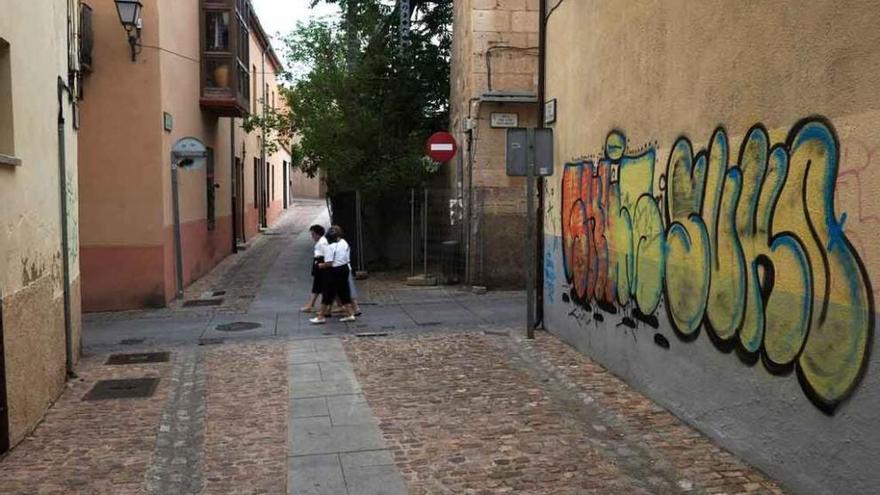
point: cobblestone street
(477, 413)
(432, 391)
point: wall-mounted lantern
(130, 16)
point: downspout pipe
(65, 247)
(264, 174)
(232, 185)
(542, 77)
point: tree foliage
(366, 104)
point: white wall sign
(505, 120)
(550, 111)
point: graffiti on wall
(752, 250)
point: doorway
(284, 184)
(238, 207)
(4, 409)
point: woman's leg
(327, 296)
(343, 291)
(316, 288)
(353, 291)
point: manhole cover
(210, 341)
(238, 326)
(131, 341)
(138, 358)
(130, 388)
(202, 302)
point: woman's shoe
(347, 318)
(318, 320)
(307, 309)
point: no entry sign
(441, 147)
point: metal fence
(419, 232)
(437, 235)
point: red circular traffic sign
(441, 147)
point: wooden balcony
(225, 79)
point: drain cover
(202, 302)
(218, 293)
(138, 358)
(430, 324)
(371, 334)
(131, 388)
(210, 341)
(238, 326)
(131, 341)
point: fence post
(425, 233)
(412, 232)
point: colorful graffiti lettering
(753, 250)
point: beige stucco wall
(798, 398)
(494, 49)
(127, 208)
(180, 97)
(31, 273)
(120, 177)
(308, 187)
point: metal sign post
(530, 154)
(186, 152)
(530, 243)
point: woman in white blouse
(337, 256)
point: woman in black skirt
(317, 233)
(334, 271)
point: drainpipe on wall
(264, 192)
(542, 74)
(65, 248)
(232, 185)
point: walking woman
(334, 273)
(317, 233)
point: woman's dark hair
(334, 233)
(317, 229)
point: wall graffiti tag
(751, 250)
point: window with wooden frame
(7, 134)
(225, 79)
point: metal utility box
(525, 144)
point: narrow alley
(432, 390)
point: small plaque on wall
(167, 121)
(504, 119)
(550, 111)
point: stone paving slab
(324, 389)
(368, 458)
(336, 370)
(309, 440)
(332, 433)
(350, 410)
(317, 357)
(316, 475)
(374, 480)
(305, 408)
(303, 373)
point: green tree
(364, 107)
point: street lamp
(130, 16)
